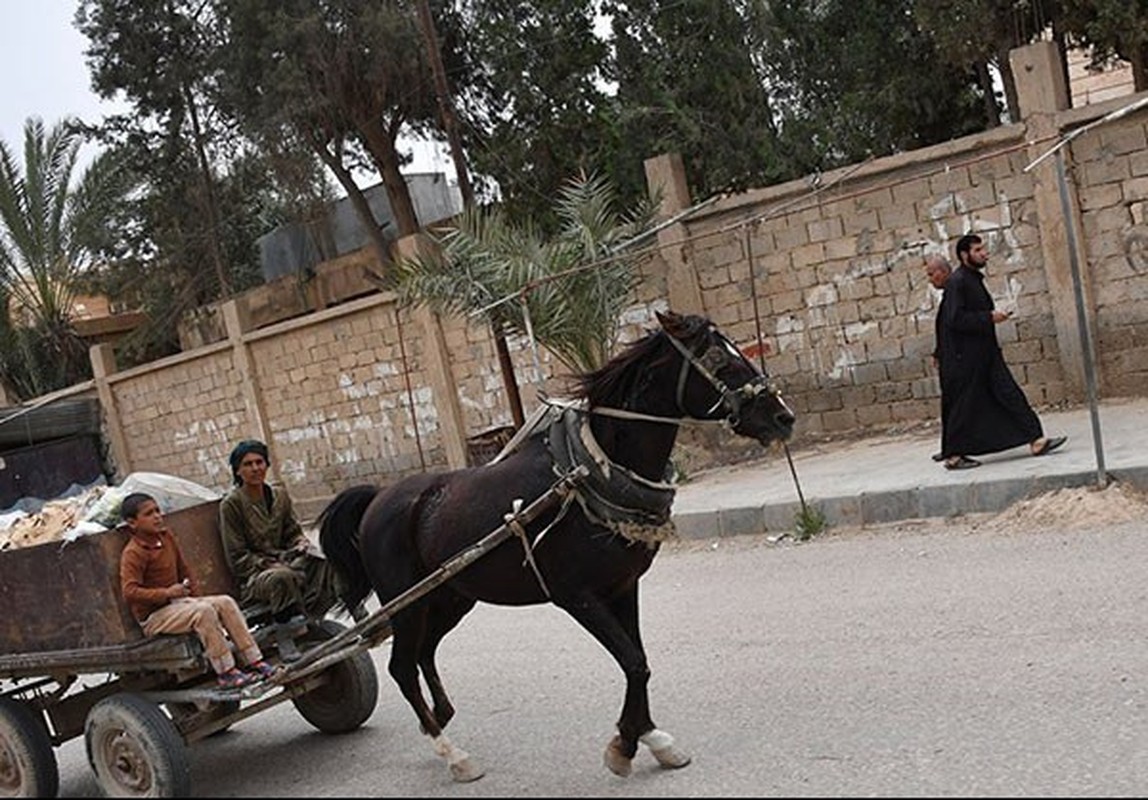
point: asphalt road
(926, 659)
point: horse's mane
(612, 383)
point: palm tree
(48, 234)
(574, 285)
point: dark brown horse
(585, 554)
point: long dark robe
(938, 325)
(984, 409)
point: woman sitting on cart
(272, 558)
(161, 592)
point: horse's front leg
(615, 626)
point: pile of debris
(94, 509)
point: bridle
(713, 358)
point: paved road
(924, 659)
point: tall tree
(333, 74)
(51, 223)
(1111, 29)
(859, 78)
(687, 81)
(978, 34)
(536, 109)
(188, 237)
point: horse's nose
(784, 419)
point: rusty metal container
(66, 595)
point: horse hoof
(616, 761)
(671, 757)
(466, 770)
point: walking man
(983, 408)
(937, 270)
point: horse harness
(609, 494)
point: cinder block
(890, 506)
(740, 521)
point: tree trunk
(209, 195)
(1009, 82)
(992, 109)
(1139, 63)
(355, 195)
(382, 150)
(1061, 40)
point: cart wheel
(135, 750)
(351, 694)
(27, 761)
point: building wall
(829, 270)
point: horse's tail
(339, 538)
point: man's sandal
(961, 462)
(1050, 445)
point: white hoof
(671, 757)
(615, 760)
(661, 744)
(466, 770)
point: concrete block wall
(829, 269)
(1110, 168)
(846, 313)
(180, 416)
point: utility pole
(450, 125)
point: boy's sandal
(261, 670)
(961, 462)
(233, 679)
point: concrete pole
(444, 390)
(666, 174)
(1042, 92)
(103, 358)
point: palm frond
(574, 286)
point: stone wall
(822, 276)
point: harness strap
(514, 523)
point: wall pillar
(444, 390)
(103, 357)
(666, 174)
(237, 322)
(1042, 92)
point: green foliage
(188, 236)
(689, 81)
(853, 79)
(1111, 29)
(50, 226)
(808, 522)
(574, 308)
(536, 110)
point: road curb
(894, 505)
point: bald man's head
(937, 269)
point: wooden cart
(151, 697)
(73, 662)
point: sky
(44, 75)
(42, 64)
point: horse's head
(716, 380)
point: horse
(586, 552)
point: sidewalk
(888, 478)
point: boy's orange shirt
(148, 566)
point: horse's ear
(673, 324)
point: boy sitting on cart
(161, 592)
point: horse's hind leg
(446, 612)
(410, 627)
